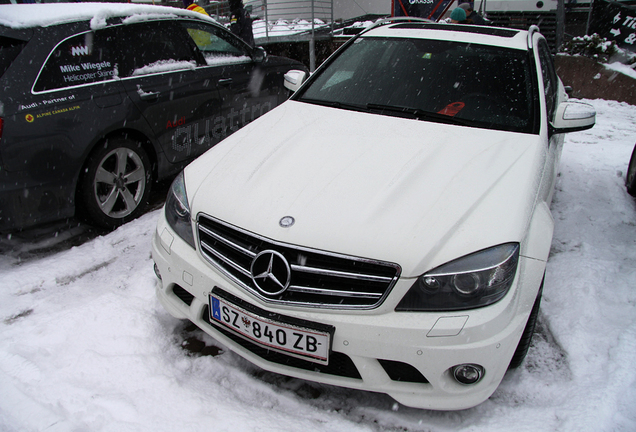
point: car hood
(411, 192)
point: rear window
(9, 50)
(82, 59)
(469, 84)
(117, 52)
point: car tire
(630, 179)
(115, 183)
(528, 332)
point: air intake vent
(183, 295)
(404, 372)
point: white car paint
(383, 181)
(415, 193)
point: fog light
(157, 272)
(468, 373)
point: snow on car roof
(19, 16)
(510, 38)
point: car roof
(22, 16)
(483, 35)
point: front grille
(318, 278)
(339, 364)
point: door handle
(225, 81)
(147, 96)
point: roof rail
(391, 20)
(531, 31)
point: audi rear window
(82, 59)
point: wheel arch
(148, 146)
(151, 149)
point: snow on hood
(380, 187)
(20, 16)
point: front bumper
(408, 356)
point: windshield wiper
(416, 113)
(419, 114)
(334, 104)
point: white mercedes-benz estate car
(388, 227)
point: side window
(82, 59)
(550, 81)
(154, 47)
(217, 45)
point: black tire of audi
(114, 185)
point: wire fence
(290, 19)
(277, 21)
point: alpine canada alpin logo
(270, 272)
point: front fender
(539, 238)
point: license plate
(298, 341)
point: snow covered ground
(85, 346)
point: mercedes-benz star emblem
(286, 221)
(270, 272)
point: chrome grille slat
(318, 278)
(334, 292)
(224, 259)
(347, 275)
(228, 242)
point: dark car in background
(98, 101)
(630, 179)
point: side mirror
(573, 117)
(259, 54)
(294, 79)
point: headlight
(178, 211)
(473, 281)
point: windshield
(451, 82)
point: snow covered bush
(598, 49)
(594, 47)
